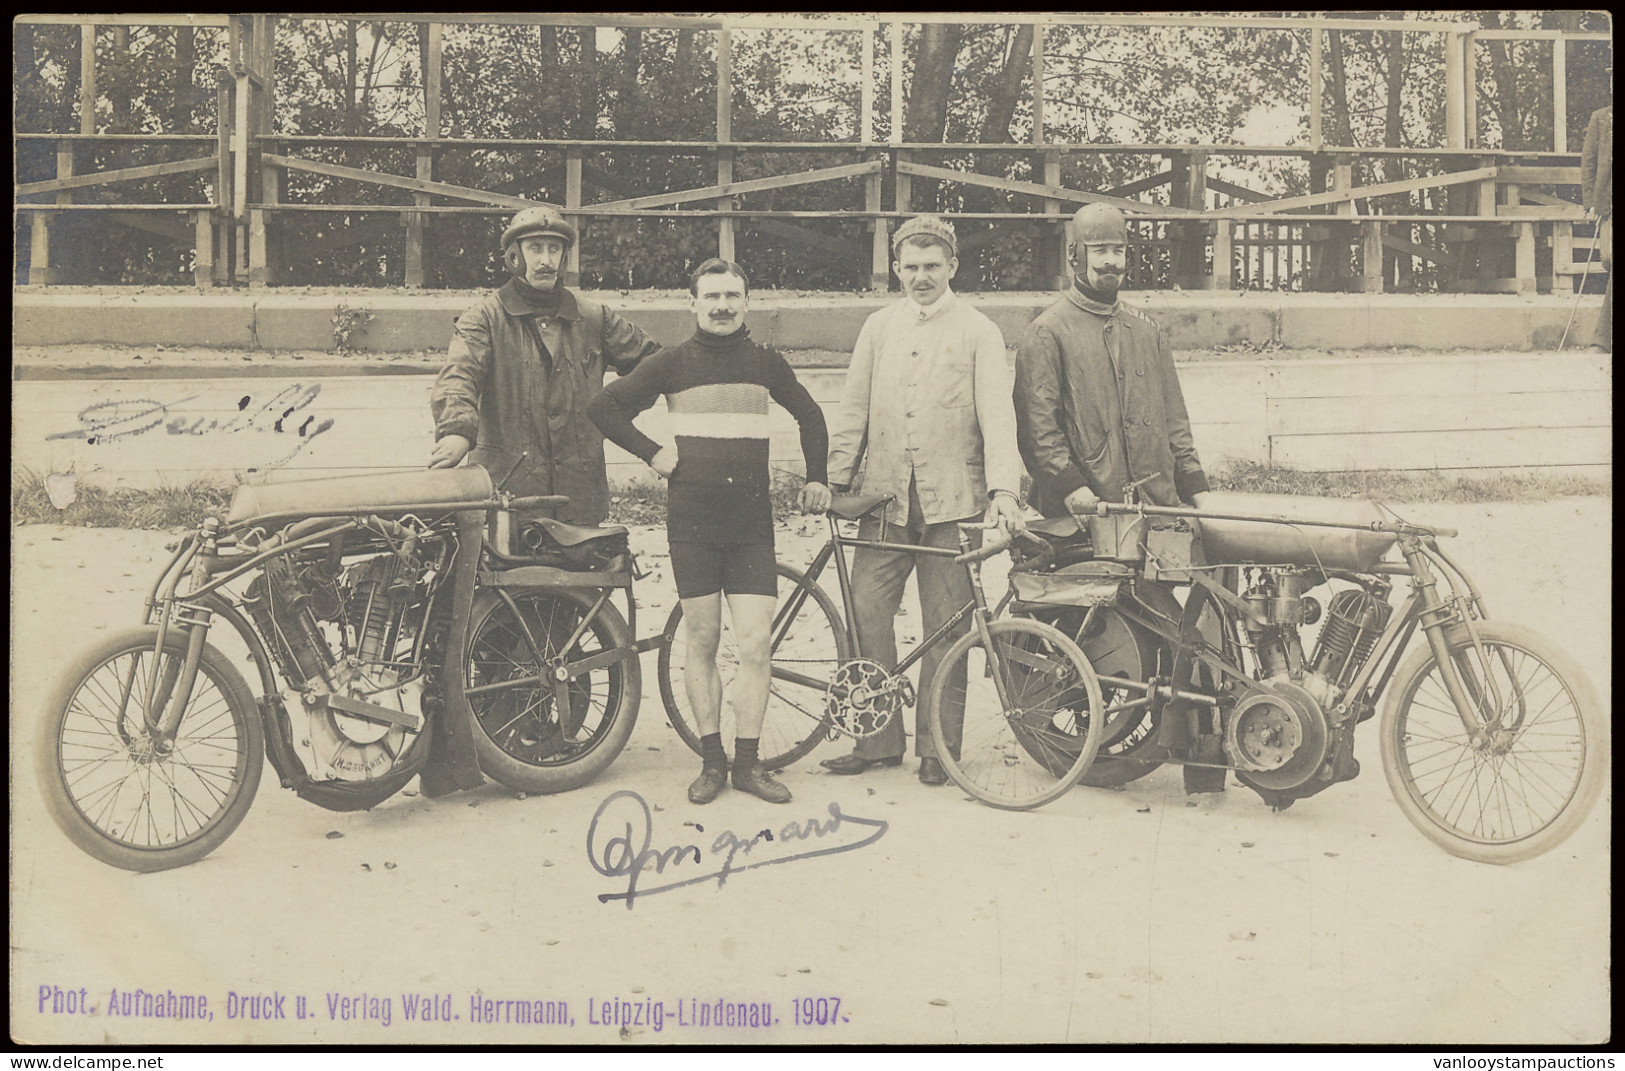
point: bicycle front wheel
(1016, 717)
(1523, 785)
(809, 644)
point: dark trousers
(878, 580)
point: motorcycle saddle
(470, 485)
(573, 535)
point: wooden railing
(1480, 217)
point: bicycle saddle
(855, 507)
(573, 535)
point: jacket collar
(518, 301)
(1089, 304)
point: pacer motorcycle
(1494, 744)
(399, 624)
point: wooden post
(1456, 90)
(572, 199)
(1194, 234)
(262, 258)
(203, 251)
(725, 154)
(265, 125)
(880, 244)
(1371, 273)
(87, 79)
(1524, 257)
(897, 57)
(1038, 83)
(416, 221)
(1560, 94)
(39, 249)
(241, 132)
(259, 267)
(1469, 78)
(1316, 85)
(1223, 262)
(1051, 236)
(222, 193)
(1343, 235)
(866, 88)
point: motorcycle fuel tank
(383, 490)
(1263, 543)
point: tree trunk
(1508, 106)
(349, 76)
(626, 98)
(1002, 108)
(927, 115)
(587, 115)
(1342, 127)
(185, 64)
(685, 55)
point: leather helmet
(542, 219)
(1099, 223)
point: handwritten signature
(106, 422)
(629, 854)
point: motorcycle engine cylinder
(1354, 620)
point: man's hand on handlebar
(1004, 513)
(1198, 498)
(815, 498)
(449, 451)
(1081, 503)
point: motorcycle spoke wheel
(809, 645)
(547, 735)
(1115, 647)
(1033, 745)
(126, 797)
(1519, 789)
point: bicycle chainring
(864, 697)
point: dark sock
(745, 752)
(711, 753)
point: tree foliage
(969, 83)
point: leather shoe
(931, 771)
(856, 764)
(707, 785)
(758, 783)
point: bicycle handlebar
(1001, 541)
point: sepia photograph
(805, 530)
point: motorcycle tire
(1117, 647)
(519, 737)
(1422, 737)
(97, 768)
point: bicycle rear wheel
(1033, 744)
(809, 644)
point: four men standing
(929, 417)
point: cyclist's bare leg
(702, 631)
(752, 632)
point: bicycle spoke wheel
(1034, 743)
(1525, 783)
(123, 795)
(809, 644)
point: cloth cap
(1099, 223)
(543, 219)
(928, 226)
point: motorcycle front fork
(168, 686)
(1466, 671)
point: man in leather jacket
(1098, 404)
(523, 366)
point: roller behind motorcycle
(1494, 743)
(398, 625)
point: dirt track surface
(1106, 917)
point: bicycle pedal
(638, 572)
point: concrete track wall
(1458, 412)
